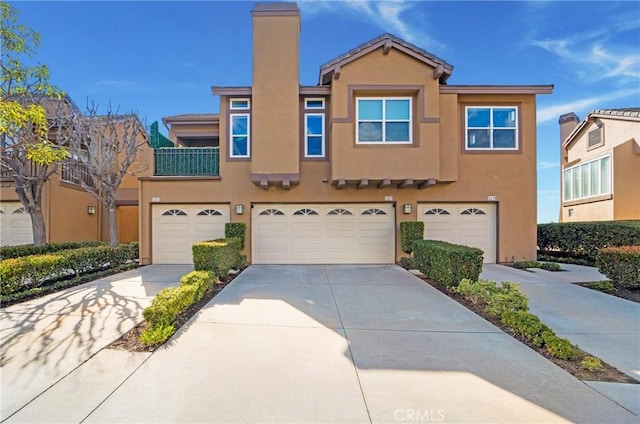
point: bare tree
(103, 149)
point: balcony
(187, 161)
(76, 173)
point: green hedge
(410, 231)
(621, 265)
(218, 256)
(163, 312)
(447, 263)
(585, 239)
(236, 230)
(7, 252)
(17, 274)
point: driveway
(319, 344)
(45, 339)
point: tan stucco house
(70, 213)
(600, 159)
(325, 173)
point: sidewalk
(45, 339)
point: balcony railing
(75, 173)
(187, 161)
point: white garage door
(469, 224)
(15, 225)
(176, 227)
(323, 234)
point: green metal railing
(187, 161)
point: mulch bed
(130, 340)
(606, 373)
(621, 292)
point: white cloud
(544, 165)
(389, 16)
(550, 113)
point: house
(70, 213)
(600, 159)
(325, 173)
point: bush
(621, 265)
(476, 291)
(584, 239)
(527, 325)
(591, 363)
(551, 266)
(604, 286)
(407, 262)
(236, 230)
(559, 347)
(218, 256)
(507, 299)
(410, 231)
(7, 252)
(526, 264)
(447, 263)
(163, 312)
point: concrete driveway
(320, 344)
(45, 339)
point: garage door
(176, 227)
(470, 224)
(15, 224)
(323, 234)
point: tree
(26, 154)
(103, 149)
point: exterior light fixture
(406, 208)
(91, 210)
(239, 209)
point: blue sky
(161, 58)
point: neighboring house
(600, 160)
(324, 174)
(70, 213)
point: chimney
(568, 122)
(275, 92)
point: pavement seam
(353, 361)
(608, 397)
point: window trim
(384, 120)
(306, 136)
(316, 99)
(248, 107)
(516, 148)
(592, 197)
(231, 135)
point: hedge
(163, 312)
(410, 231)
(447, 263)
(218, 256)
(17, 274)
(621, 265)
(236, 230)
(7, 252)
(585, 239)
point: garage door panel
(15, 225)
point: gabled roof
(386, 41)
(194, 118)
(624, 114)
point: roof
(625, 114)
(191, 118)
(386, 41)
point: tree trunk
(37, 223)
(113, 223)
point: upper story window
(240, 142)
(314, 103)
(491, 128)
(314, 135)
(239, 104)
(383, 120)
(586, 180)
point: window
(383, 120)
(437, 211)
(174, 212)
(492, 128)
(374, 211)
(340, 211)
(305, 211)
(314, 103)
(271, 212)
(209, 212)
(586, 180)
(472, 211)
(239, 104)
(240, 143)
(314, 135)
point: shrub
(507, 299)
(559, 347)
(476, 291)
(407, 262)
(447, 263)
(550, 266)
(237, 230)
(410, 231)
(218, 256)
(527, 325)
(604, 286)
(591, 363)
(621, 265)
(526, 264)
(161, 315)
(7, 252)
(584, 239)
